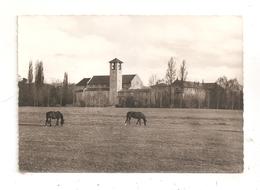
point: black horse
(136, 115)
(54, 115)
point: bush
(82, 103)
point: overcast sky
(83, 45)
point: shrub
(82, 103)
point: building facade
(121, 90)
(103, 90)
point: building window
(113, 66)
(119, 66)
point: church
(103, 90)
(128, 90)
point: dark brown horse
(54, 115)
(136, 115)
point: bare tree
(233, 84)
(39, 81)
(183, 71)
(222, 98)
(171, 71)
(170, 76)
(234, 90)
(30, 79)
(56, 83)
(153, 80)
(30, 73)
(65, 89)
(159, 81)
(39, 75)
(223, 82)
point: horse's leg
(137, 121)
(57, 122)
(46, 122)
(50, 122)
(126, 121)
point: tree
(153, 80)
(233, 84)
(39, 81)
(222, 98)
(30, 95)
(183, 71)
(160, 81)
(223, 82)
(65, 89)
(171, 71)
(30, 73)
(39, 75)
(234, 91)
(232, 95)
(170, 76)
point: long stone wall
(164, 96)
(92, 98)
(157, 96)
(151, 97)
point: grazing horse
(136, 115)
(54, 115)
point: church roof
(83, 82)
(104, 80)
(126, 79)
(115, 61)
(98, 89)
(211, 85)
(99, 80)
(160, 85)
(189, 84)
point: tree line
(228, 96)
(35, 92)
(171, 73)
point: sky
(82, 46)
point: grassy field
(96, 140)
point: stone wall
(92, 98)
(194, 98)
(150, 97)
(156, 96)
(164, 96)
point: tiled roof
(99, 80)
(210, 85)
(135, 90)
(189, 84)
(115, 61)
(126, 79)
(160, 85)
(104, 80)
(83, 82)
(98, 89)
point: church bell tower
(115, 83)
